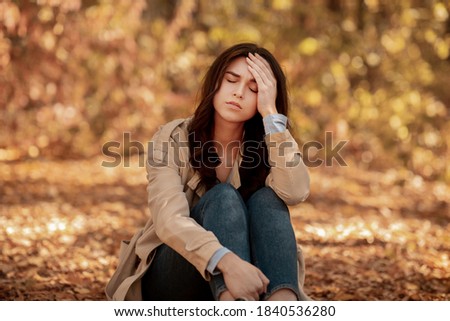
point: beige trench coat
(171, 195)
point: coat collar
(234, 178)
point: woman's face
(236, 99)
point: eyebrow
(237, 75)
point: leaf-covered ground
(366, 235)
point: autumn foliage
(75, 75)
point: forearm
(289, 176)
(170, 212)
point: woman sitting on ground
(219, 184)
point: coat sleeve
(169, 206)
(288, 175)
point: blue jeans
(259, 231)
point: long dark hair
(254, 167)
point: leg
(273, 244)
(171, 278)
(222, 211)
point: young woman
(218, 188)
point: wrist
(225, 262)
(268, 111)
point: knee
(264, 203)
(226, 194)
(264, 197)
(224, 199)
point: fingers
(264, 61)
(258, 72)
(255, 74)
(265, 281)
(242, 279)
(260, 61)
(261, 287)
(255, 296)
(262, 68)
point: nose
(238, 92)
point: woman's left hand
(267, 84)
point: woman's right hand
(243, 280)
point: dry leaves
(366, 235)
(61, 224)
(375, 236)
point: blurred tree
(74, 74)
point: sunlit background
(77, 74)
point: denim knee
(217, 200)
(266, 211)
(226, 193)
(265, 197)
(226, 196)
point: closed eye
(233, 81)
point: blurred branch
(74, 74)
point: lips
(234, 104)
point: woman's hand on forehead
(266, 81)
